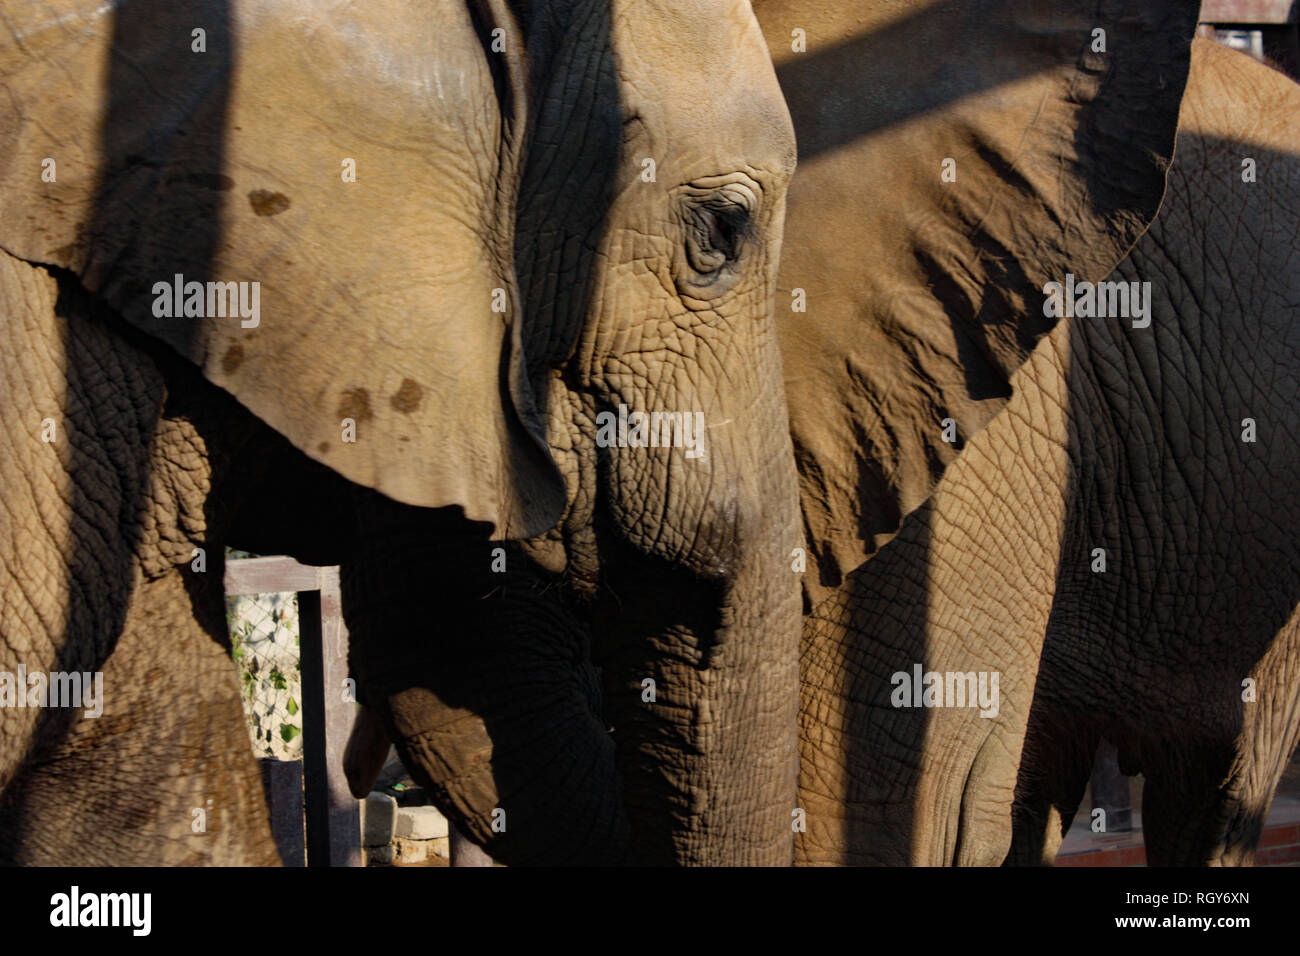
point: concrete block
(420, 823)
(378, 819)
(409, 852)
(379, 855)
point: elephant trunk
(701, 689)
(482, 678)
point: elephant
(474, 300)
(1113, 532)
(589, 200)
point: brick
(1280, 836)
(420, 823)
(1276, 856)
(1132, 856)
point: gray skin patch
(407, 398)
(355, 404)
(267, 203)
(233, 358)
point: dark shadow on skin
(643, 600)
(832, 82)
(881, 612)
(834, 98)
(155, 215)
(565, 193)
(1100, 678)
(1060, 741)
(497, 660)
(511, 649)
(1064, 727)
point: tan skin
(468, 422)
(670, 313)
(1119, 438)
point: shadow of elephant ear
(955, 159)
(82, 186)
(200, 196)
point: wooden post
(1248, 11)
(315, 764)
(1272, 29)
(333, 815)
(340, 710)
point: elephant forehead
(697, 72)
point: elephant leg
(1193, 811)
(105, 479)
(165, 774)
(886, 781)
(1054, 772)
(1206, 805)
(968, 585)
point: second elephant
(1121, 544)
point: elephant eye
(716, 231)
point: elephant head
(646, 251)
(507, 268)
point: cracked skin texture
(1120, 438)
(493, 698)
(713, 537)
(97, 538)
(662, 567)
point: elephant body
(146, 463)
(474, 230)
(1118, 438)
(1184, 653)
(485, 234)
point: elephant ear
(954, 158)
(354, 166)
